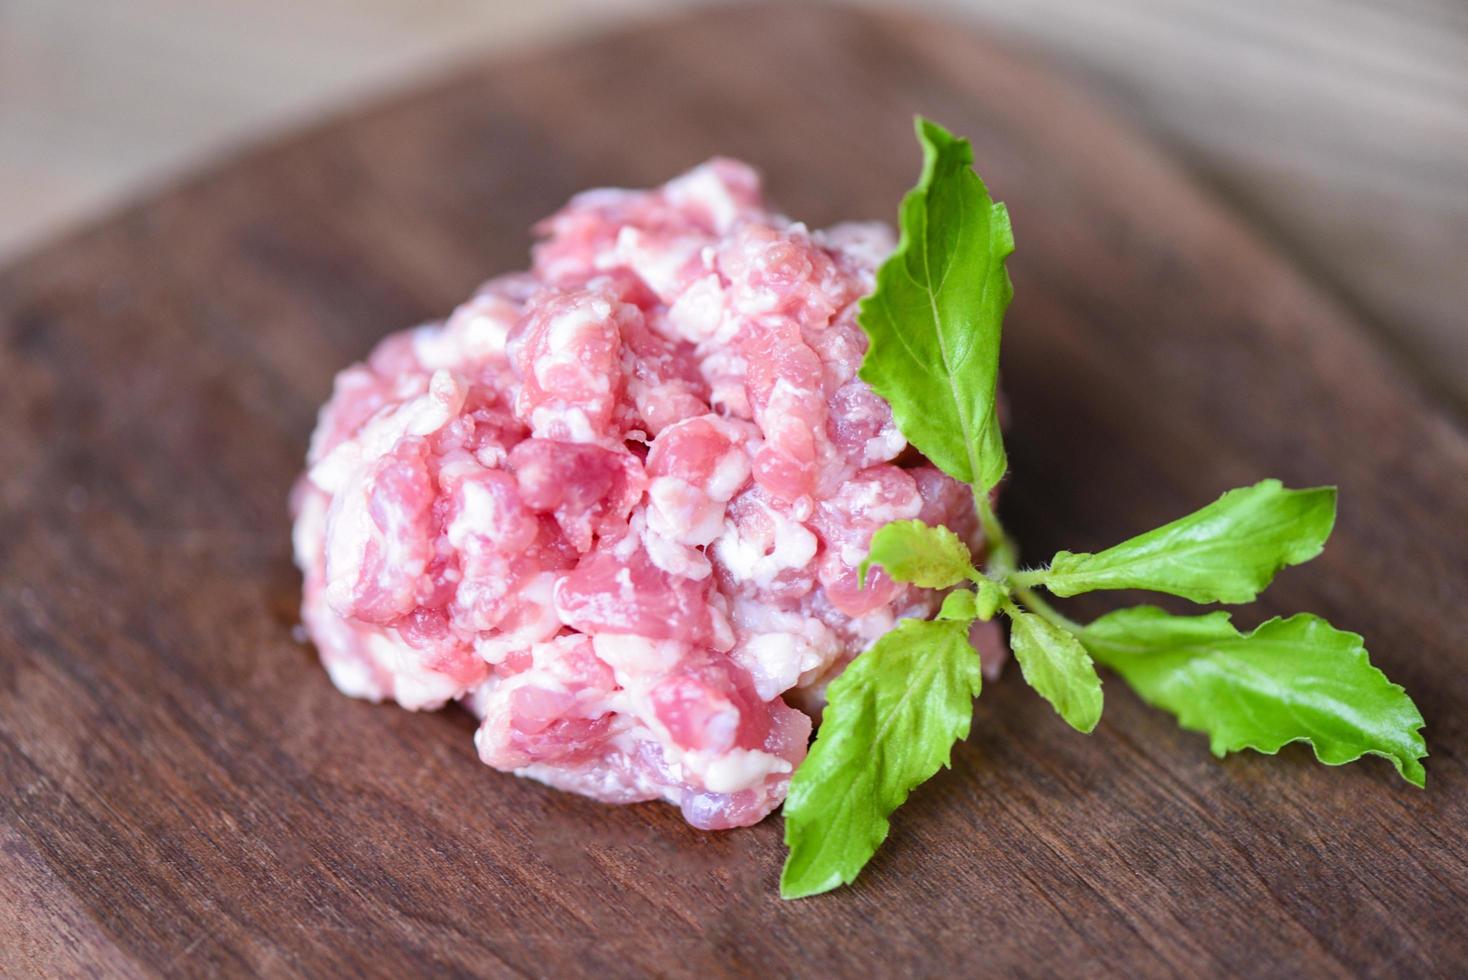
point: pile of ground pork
(615, 504)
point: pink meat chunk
(615, 505)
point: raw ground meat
(615, 505)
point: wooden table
(184, 793)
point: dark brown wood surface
(182, 791)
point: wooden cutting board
(184, 792)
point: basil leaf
(935, 316)
(1055, 664)
(1226, 552)
(911, 551)
(959, 605)
(1290, 680)
(891, 720)
(988, 600)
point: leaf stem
(1002, 554)
(1032, 601)
(1030, 579)
(1000, 568)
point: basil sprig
(893, 716)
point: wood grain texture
(184, 793)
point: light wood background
(1340, 127)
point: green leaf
(1226, 552)
(911, 551)
(935, 316)
(959, 605)
(990, 597)
(1290, 680)
(890, 723)
(1055, 664)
